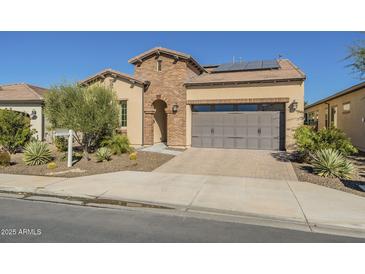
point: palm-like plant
(37, 153)
(331, 163)
(118, 144)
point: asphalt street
(34, 221)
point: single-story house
(344, 110)
(27, 99)
(172, 98)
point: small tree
(357, 57)
(92, 112)
(15, 130)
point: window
(346, 107)
(312, 118)
(224, 107)
(159, 65)
(239, 107)
(247, 107)
(123, 113)
(334, 116)
(201, 108)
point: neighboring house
(172, 98)
(27, 99)
(344, 110)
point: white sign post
(66, 133)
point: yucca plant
(103, 154)
(37, 153)
(331, 163)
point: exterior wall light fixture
(175, 107)
(33, 114)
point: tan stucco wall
(37, 123)
(291, 90)
(134, 96)
(351, 123)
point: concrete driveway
(231, 162)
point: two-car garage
(242, 126)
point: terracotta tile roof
(108, 72)
(287, 71)
(21, 92)
(167, 51)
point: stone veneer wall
(166, 85)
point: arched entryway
(160, 122)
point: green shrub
(336, 139)
(15, 130)
(309, 141)
(92, 112)
(118, 144)
(61, 143)
(52, 165)
(305, 138)
(4, 158)
(103, 154)
(133, 156)
(37, 153)
(331, 163)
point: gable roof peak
(158, 50)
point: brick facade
(166, 85)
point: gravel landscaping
(305, 173)
(146, 161)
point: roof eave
(102, 74)
(338, 94)
(141, 57)
(242, 82)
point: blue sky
(48, 58)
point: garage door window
(238, 107)
(247, 107)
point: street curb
(197, 212)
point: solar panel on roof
(252, 65)
(270, 64)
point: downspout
(143, 90)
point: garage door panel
(228, 119)
(218, 120)
(266, 143)
(206, 141)
(205, 131)
(275, 144)
(252, 119)
(196, 141)
(240, 132)
(218, 142)
(266, 132)
(252, 143)
(228, 131)
(196, 131)
(241, 143)
(240, 119)
(218, 131)
(250, 130)
(265, 119)
(228, 142)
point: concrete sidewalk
(306, 206)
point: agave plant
(103, 154)
(37, 153)
(331, 163)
